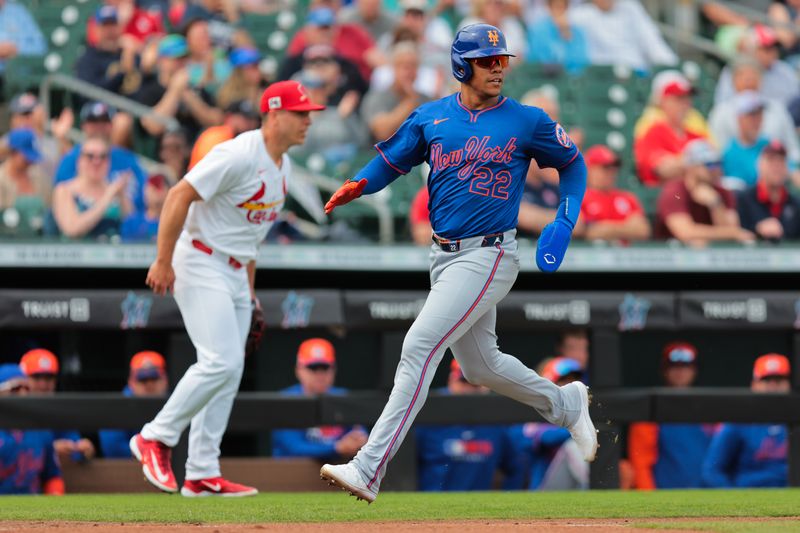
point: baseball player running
(479, 145)
(208, 236)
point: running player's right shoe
(156, 462)
(216, 486)
(348, 478)
(583, 431)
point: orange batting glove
(348, 192)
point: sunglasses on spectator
(489, 62)
(681, 355)
(714, 165)
(319, 368)
(95, 156)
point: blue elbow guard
(552, 245)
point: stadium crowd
(201, 63)
(727, 173)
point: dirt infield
(462, 526)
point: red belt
(207, 249)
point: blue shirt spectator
(142, 226)
(19, 33)
(739, 160)
(553, 40)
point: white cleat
(583, 431)
(347, 478)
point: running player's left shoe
(348, 478)
(216, 486)
(583, 431)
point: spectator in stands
(752, 455)
(574, 344)
(316, 372)
(110, 63)
(19, 34)
(657, 148)
(89, 205)
(137, 25)
(174, 151)
(610, 214)
(96, 121)
(555, 40)
(147, 378)
(768, 208)
(779, 80)
(350, 41)
(223, 18)
(167, 90)
(732, 23)
(142, 226)
(384, 110)
(370, 15)
(28, 462)
(670, 456)
(26, 112)
(654, 113)
(776, 124)
(551, 457)
(620, 32)
(41, 367)
(337, 132)
(245, 81)
(19, 175)
(240, 116)
(499, 14)
(465, 457)
(208, 69)
(433, 36)
(785, 19)
(339, 74)
(696, 209)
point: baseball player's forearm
(572, 186)
(173, 216)
(378, 174)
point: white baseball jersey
(242, 190)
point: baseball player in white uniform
(208, 236)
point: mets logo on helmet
(257, 211)
(493, 37)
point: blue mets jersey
(27, 461)
(478, 160)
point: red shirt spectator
(608, 212)
(136, 23)
(350, 41)
(657, 151)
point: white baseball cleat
(347, 478)
(583, 431)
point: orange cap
(148, 365)
(771, 365)
(39, 361)
(316, 352)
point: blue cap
(23, 140)
(96, 112)
(244, 56)
(106, 14)
(321, 16)
(10, 373)
(173, 45)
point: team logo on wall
(135, 311)
(633, 313)
(296, 310)
(74, 309)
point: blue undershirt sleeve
(378, 174)
(572, 186)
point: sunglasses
(320, 368)
(95, 156)
(489, 62)
(681, 355)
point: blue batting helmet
(475, 40)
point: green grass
(742, 526)
(336, 506)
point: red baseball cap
(287, 95)
(771, 365)
(764, 36)
(148, 365)
(561, 367)
(601, 155)
(39, 361)
(316, 351)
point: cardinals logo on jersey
(258, 211)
